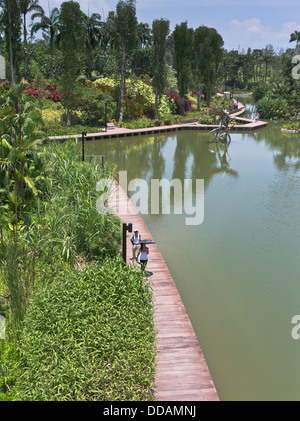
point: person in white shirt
(144, 251)
(135, 241)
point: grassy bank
(79, 324)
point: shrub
(52, 118)
(260, 91)
(40, 89)
(292, 126)
(92, 106)
(221, 102)
(136, 124)
(173, 96)
(139, 97)
(274, 108)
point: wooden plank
(182, 373)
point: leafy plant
(274, 108)
(43, 90)
(89, 335)
(19, 140)
(139, 97)
(92, 106)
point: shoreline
(246, 124)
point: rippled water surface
(238, 271)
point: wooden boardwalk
(244, 125)
(182, 373)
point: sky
(241, 23)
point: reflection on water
(221, 150)
(237, 272)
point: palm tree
(50, 25)
(257, 55)
(28, 6)
(267, 58)
(143, 33)
(295, 36)
(92, 26)
(124, 25)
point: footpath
(182, 373)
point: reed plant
(74, 225)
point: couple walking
(138, 248)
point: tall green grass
(79, 322)
(89, 336)
(68, 221)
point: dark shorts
(143, 263)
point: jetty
(182, 373)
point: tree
(92, 27)
(267, 58)
(182, 60)
(50, 25)
(295, 36)
(9, 12)
(11, 23)
(71, 43)
(247, 66)
(143, 33)
(198, 40)
(28, 6)
(257, 54)
(125, 26)
(160, 30)
(212, 52)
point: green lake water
(238, 272)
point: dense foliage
(79, 323)
(42, 89)
(89, 335)
(74, 45)
(278, 100)
(87, 48)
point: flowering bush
(174, 97)
(43, 90)
(53, 93)
(92, 106)
(139, 97)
